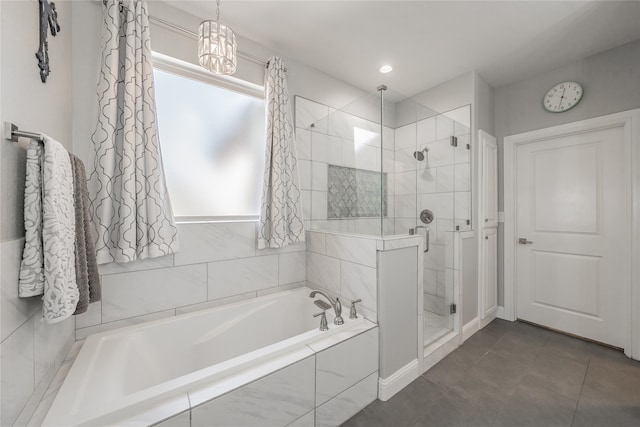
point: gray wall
(31, 350)
(611, 82)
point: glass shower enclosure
(385, 165)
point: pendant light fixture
(217, 49)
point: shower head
(419, 155)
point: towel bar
(12, 133)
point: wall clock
(562, 97)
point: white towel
(48, 260)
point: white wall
(611, 82)
(31, 350)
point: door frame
(630, 122)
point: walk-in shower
(370, 168)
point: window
(212, 139)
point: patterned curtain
(281, 210)
(129, 203)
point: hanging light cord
(218, 11)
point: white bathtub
(122, 373)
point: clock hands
(562, 96)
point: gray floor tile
(516, 374)
(569, 347)
(533, 405)
(562, 375)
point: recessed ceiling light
(386, 69)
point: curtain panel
(129, 203)
(281, 222)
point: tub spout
(337, 306)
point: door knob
(524, 241)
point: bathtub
(143, 374)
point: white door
(570, 216)
(490, 272)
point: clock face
(562, 97)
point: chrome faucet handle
(323, 321)
(338, 307)
(352, 312)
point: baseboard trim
(388, 387)
(501, 314)
(470, 328)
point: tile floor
(515, 374)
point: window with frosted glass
(212, 142)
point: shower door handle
(426, 236)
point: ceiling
(429, 42)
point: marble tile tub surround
(345, 266)
(218, 263)
(325, 383)
(31, 350)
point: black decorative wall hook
(48, 20)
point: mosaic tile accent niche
(355, 193)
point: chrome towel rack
(13, 132)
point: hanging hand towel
(48, 262)
(87, 276)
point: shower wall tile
(406, 137)
(342, 125)
(227, 278)
(405, 183)
(444, 127)
(319, 176)
(348, 403)
(460, 129)
(388, 161)
(430, 281)
(292, 267)
(462, 178)
(323, 271)
(290, 390)
(318, 205)
(462, 154)
(15, 310)
(441, 204)
(304, 170)
(353, 249)
(342, 366)
(435, 259)
(359, 282)
(215, 303)
(445, 179)
(427, 180)
(215, 242)
(444, 227)
(127, 295)
(462, 204)
(18, 373)
(388, 138)
(406, 206)
(404, 160)
(309, 112)
(441, 153)
(303, 143)
(326, 149)
(367, 157)
(426, 131)
(305, 198)
(368, 226)
(348, 154)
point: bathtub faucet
(337, 306)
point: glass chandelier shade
(217, 48)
